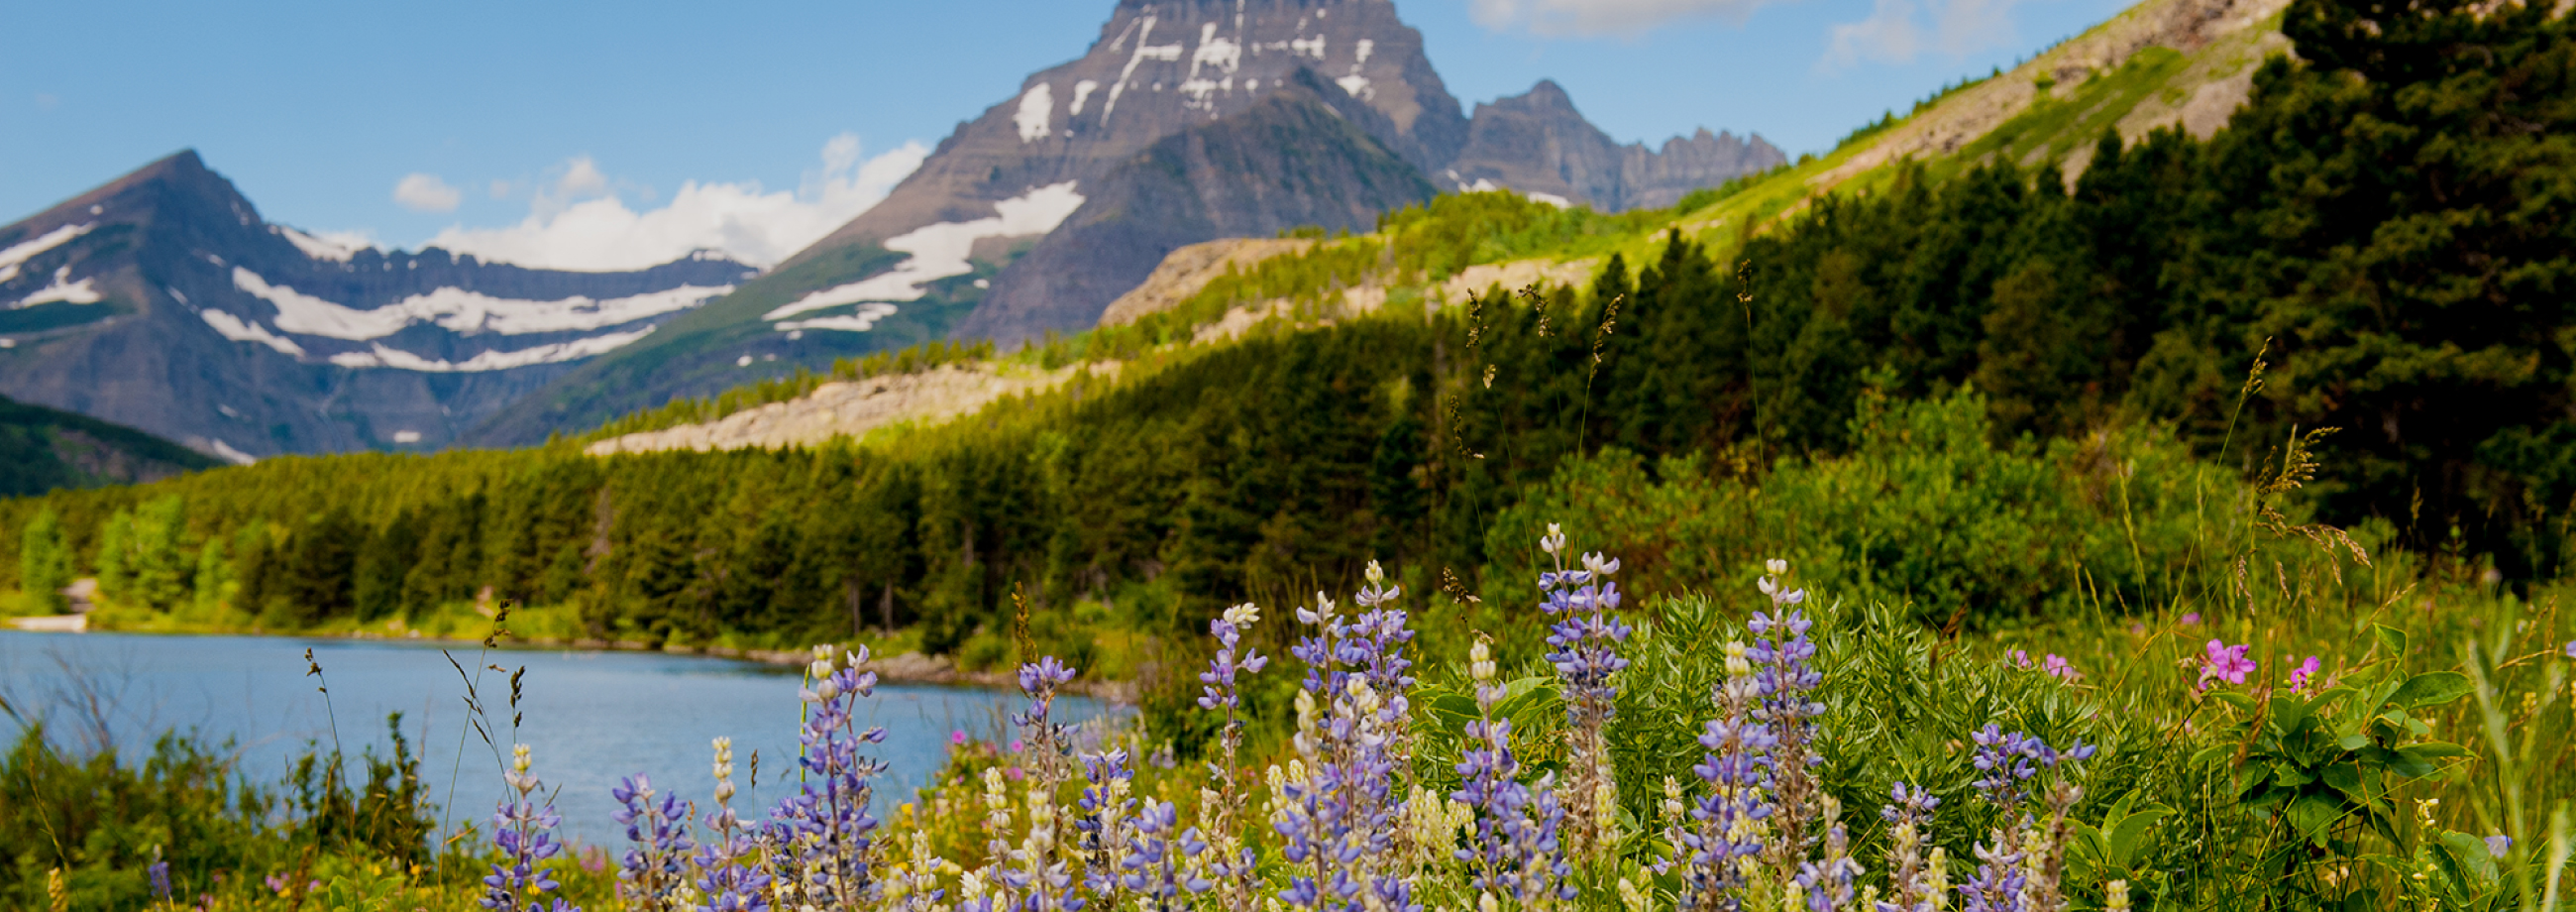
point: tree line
(2382, 229)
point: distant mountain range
(163, 301)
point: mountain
(1300, 156)
(163, 301)
(1537, 143)
(42, 449)
(1038, 213)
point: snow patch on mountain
(462, 311)
(17, 255)
(337, 248)
(866, 319)
(940, 251)
(240, 330)
(1168, 53)
(1037, 112)
(491, 360)
(230, 454)
(63, 290)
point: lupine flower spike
(826, 832)
(1788, 709)
(1346, 802)
(653, 869)
(1583, 644)
(1231, 864)
(524, 832)
(731, 877)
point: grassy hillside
(43, 449)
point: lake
(590, 718)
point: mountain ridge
(1155, 70)
(163, 301)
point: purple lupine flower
(1103, 824)
(1997, 886)
(1154, 862)
(1584, 647)
(1233, 864)
(159, 871)
(1218, 688)
(2222, 662)
(1787, 679)
(1040, 680)
(654, 867)
(1515, 848)
(730, 877)
(1340, 819)
(524, 832)
(1828, 879)
(1917, 881)
(825, 827)
(1731, 817)
(2007, 762)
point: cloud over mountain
(425, 193)
(1897, 31)
(1572, 18)
(580, 220)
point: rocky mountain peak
(1544, 97)
(1538, 143)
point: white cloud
(1555, 18)
(426, 193)
(580, 220)
(1897, 31)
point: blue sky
(513, 114)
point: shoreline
(904, 668)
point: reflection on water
(589, 717)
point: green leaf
(2291, 714)
(2290, 775)
(2130, 833)
(2345, 778)
(2391, 641)
(2312, 815)
(2470, 853)
(2432, 689)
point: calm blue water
(589, 718)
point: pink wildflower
(957, 738)
(2191, 620)
(2058, 667)
(2303, 678)
(1015, 773)
(2224, 662)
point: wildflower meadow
(1762, 749)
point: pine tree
(44, 563)
(160, 567)
(116, 556)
